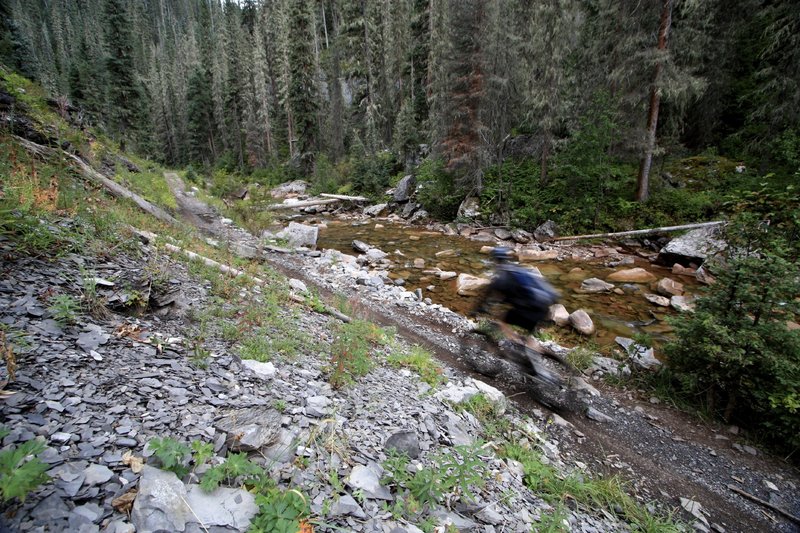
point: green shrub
(455, 471)
(736, 349)
(280, 511)
(64, 308)
(173, 455)
(350, 351)
(21, 471)
(437, 192)
(372, 175)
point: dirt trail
(664, 454)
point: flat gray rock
(92, 338)
(96, 474)
(250, 429)
(224, 507)
(405, 442)
(367, 480)
(161, 502)
(347, 505)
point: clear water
(613, 314)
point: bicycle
(550, 378)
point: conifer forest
(520, 103)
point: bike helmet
(501, 254)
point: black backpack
(535, 291)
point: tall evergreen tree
(200, 117)
(302, 93)
(461, 144)
(125, 94)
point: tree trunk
(545, 158)
(643, 181)
(729, 407)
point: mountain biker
(527, 296)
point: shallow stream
(613, 314)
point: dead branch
(649, 231)
(309, 203)
(234, 272)
(95, 177)
(765, 503)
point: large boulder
(375, 210)
(548, 230)
(640, 356)
(558, 314)
(521, 236)
(469, 285)
(289, 189)
(405, 188)
(528, 254)
(469, 208)
(669, 287)
(161, 502)
(582, 322)
(299, 235)
(632, 275)
(693, 247)
(593, 285)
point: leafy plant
(236, 466)
(201, 452)
(454, 471)
(280, 511)
(421, 361)
(21, 471)
(64, 308)
(173, 455)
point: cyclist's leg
(527, 319)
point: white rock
(558, 314)
(582, 322)
(682, 303)
(469, 285)
(262, 370)
(297, 285)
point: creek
(614, 314)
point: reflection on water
(613, 314)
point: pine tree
(553, 35)
(86, 82)
(461, 143)
(125, 95)
(302, 92)
(200, 117)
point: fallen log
(344, 197)
(95, 177)
(234, 272)
(765, 503)
(648, 231)
(308, 203)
